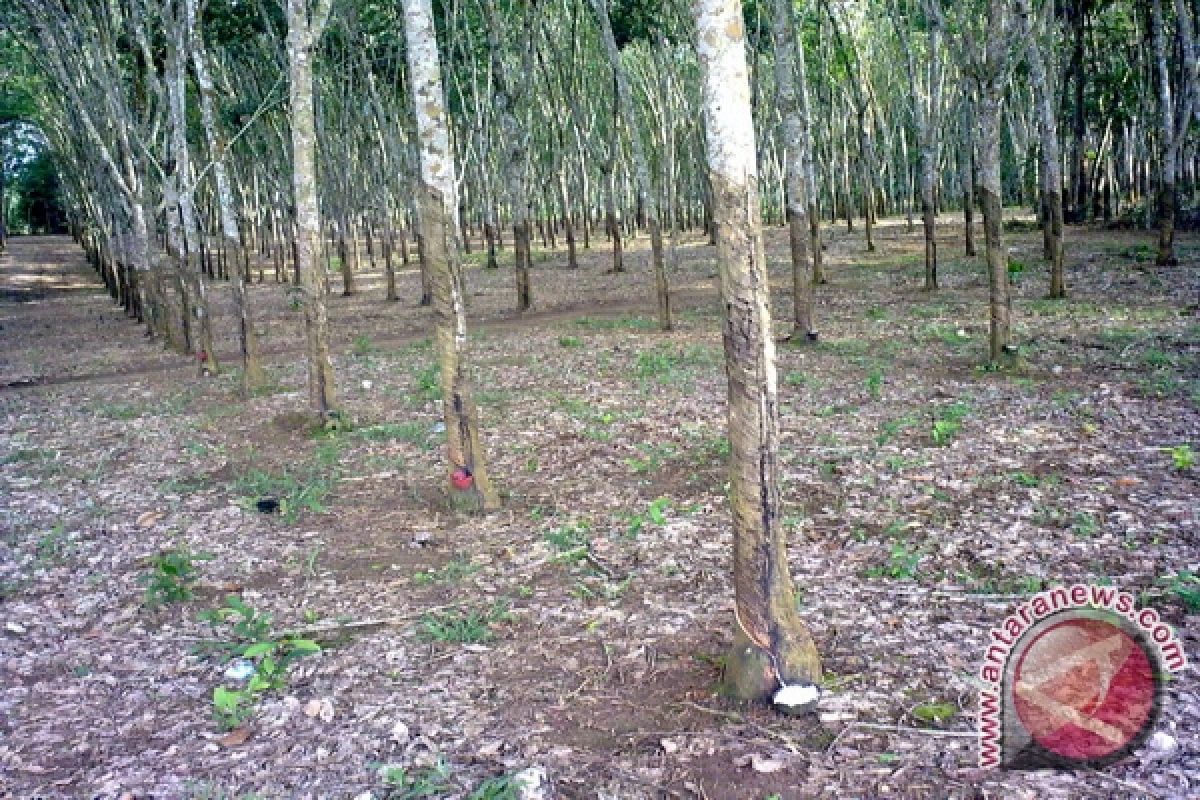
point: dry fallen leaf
(235, 737)
(149, 519)
(322, 708)
(766, 765)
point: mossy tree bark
(470, 484)
(771, 644)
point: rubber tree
(1175, 117)
(253, 377)
(986, 70)
(515, 153)
(771, 644)
(304, 31)
(646, 198)
(470, 485)
(1051, 162)
(793, 130)
(926, 104)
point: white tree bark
(771, 644)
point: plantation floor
(581, 628)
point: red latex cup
(461, 479)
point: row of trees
(200, 140)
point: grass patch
(617, 323)
(464, 626)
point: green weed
(457, 569)
(172, 576)
(464, 627)
(1183, 457)
(1185, 587)
(947, 423)
(902, 563)
(247, 633)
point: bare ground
(601, 592)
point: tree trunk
(253, 376)
(646, 200)
(771, 644)
(991, 93)
(303, 34)
(470, 486)
(793, 132)
(1051, 159)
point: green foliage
(247, 635)
(295, 494)
(570, 341)
(667, 365)
(414, 432)
(413, 784)
(1015, 270)
(936, 713)
(172, 576)
(947, 423)
(1185, 587)
(570, 537)
(454, 571)
(655, 513)
(875, 384)
(428, 384)
(617, 323)
(52, 547)
(1183, 457)
(903, 561)
(651, 459)
(464, 626)
(362, 347)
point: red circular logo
(1084, 689)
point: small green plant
(295, 297)
(415, 784)
(464, 627)
(570, 341)
(571, 538)
(172, 576)
(52, 547)
(1185, 587)
(947, 423)
(655, 513)
(1183, 457)
(428, 385)
(877, 313)
(935, 713)
(892, 428)
(361, 347)
(651, 459)
(875, 384)
(902, 563)
(454, 571)
(1026, 479)
(1015, 270)
(414, 432)
(499, 787)
(1085, 524)
(248, 636)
